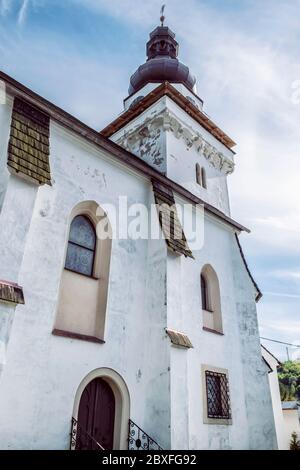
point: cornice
(166, 89)
(136, 134)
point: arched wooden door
(96, 417)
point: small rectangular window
(217, 390)
(216, 398)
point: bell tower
(164, 124)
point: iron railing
(81, 439)
(139, 440)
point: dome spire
(162, 62)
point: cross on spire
(162, 16)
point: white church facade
(125, 342)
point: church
(112, 337)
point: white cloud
(286, 274)
(282, 294)
(284, 327)
(23, 11)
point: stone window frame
(206, 419)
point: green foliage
(294, 442)
(289, 380)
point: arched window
(204, 293)
(198, 174)
(203, 178)
(81, 246)
(81, 310)
(211, 300)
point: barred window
(81, 246)
(217, 390)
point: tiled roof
(28, 148)
(179, 339)
(169, 221)
(11, 292)
(258, 291)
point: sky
(245, 54)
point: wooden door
(96, 417)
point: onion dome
(162, 63)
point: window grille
(217, 390)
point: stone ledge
(179, 339)
(11, 292)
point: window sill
(71, 335)
(218, 421)
(82, 274)
(216, 332)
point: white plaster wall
(258, 402)
(182, 169)
(16, 204)
(210, 348)
(276, 400)
(42, 372)
(252, 420)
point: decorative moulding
(137, 136)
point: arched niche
(211, 303)
(82, 300)
(122, 403)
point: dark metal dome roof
(162, 63)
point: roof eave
(166, 89)
(75, 125)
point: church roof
(166, 89)
(269, 352)
(258, 291)
(70, 122)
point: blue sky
(246, 57)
